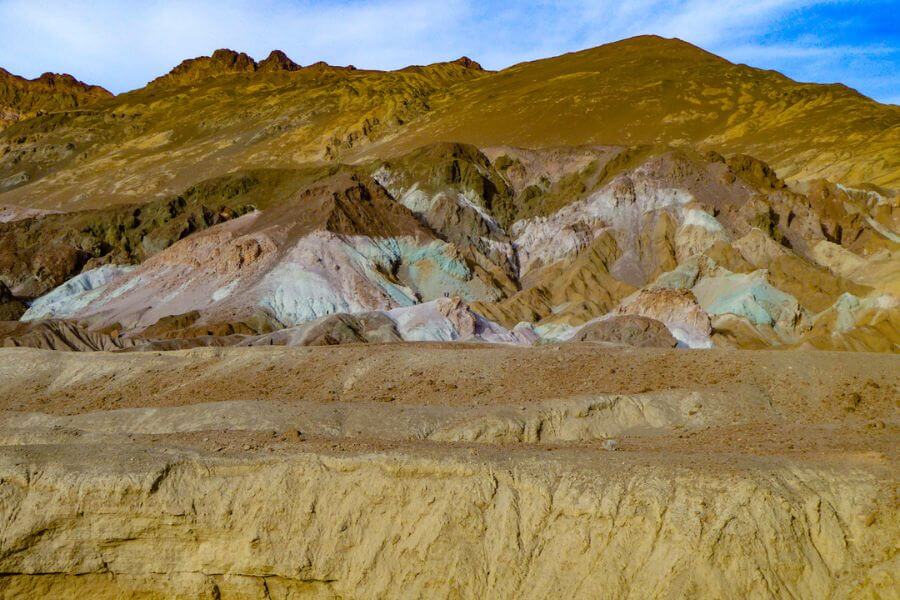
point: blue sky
(122, 44)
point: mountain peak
(468, 63)
(278, 61)
(221, 61)
(238, 61)
(324, 65)
(654, 45)
(226, 61)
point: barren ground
(109, 458)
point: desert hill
(22, 98)
(718, 249)
(213, 114)
(645, 179)
(619, 323)
(207, 117)
(650, 90)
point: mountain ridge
(645, 179)
(212, 114)
(553, 299)
(650, 90)
(22, 98)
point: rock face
(262, 539)
(631, 330)
(465, 61)
(277, 61)
(343, 478)
(221, 62)
(673, 236)
(340, 246)
(677, 309)
(44, 249)
(11, 309)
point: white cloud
(779, 51)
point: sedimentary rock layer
(447, 471)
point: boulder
(631, 330)
(677, 309)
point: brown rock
(632, 330)
(278, 61)
(465, 61)
(10, 307)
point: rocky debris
(630, 330)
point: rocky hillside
(651, 90)
(22, 98)
(720, 250)
(236, 197)
(271, 330)
(207, 117)
(213, 114)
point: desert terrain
(374, 470)
(622, 323)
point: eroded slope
(447, 470)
